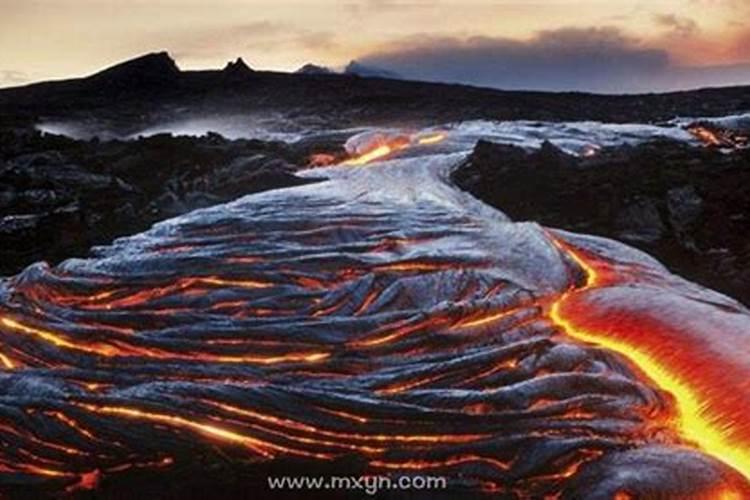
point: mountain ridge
(152, 88)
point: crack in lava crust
(711, 398)
(381, 322)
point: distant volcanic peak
(314, 69)
(356, 68)
(156, 67)
(237, 68)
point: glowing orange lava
(432, 138)
(718, 137)
(256, 445)
(380, 150)
(115, 348)
(711, 414)
(706, 136)
(375, 154)
(6, 361)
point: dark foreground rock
(59, 197)
(689, 207)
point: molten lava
(310, 328)
(711, 412)
(718, 137)
(384, 146)
(321, 160)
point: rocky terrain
(687, 206)
(59, 196)
(381, 322)
(151, 89)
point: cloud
(262, 36)
(679, 26)
(10, 77)
(741, 43)
(598, 59)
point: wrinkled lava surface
(381, 322)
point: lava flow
(378, 323)
(711, 135)
(711, 396)
(383, 146)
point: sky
(599, 45)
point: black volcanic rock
(237, 69)
(153, 69)
(314, 69)
(150, 90)
(59, 197)
(687, 206)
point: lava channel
(682, 354)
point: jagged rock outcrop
(154, 69)
(237, 69)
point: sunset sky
(499, 43)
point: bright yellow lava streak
(431, 139)
(376, 153)
(7, 363)
(260, 447)
(107, 350)
(486, 320)
(396, 145)
(694, 424)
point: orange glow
(730, 495)
(371, 297)
(405, 386)
(256, 445)
(72, 424)
(181, 285)
(718, 137)
(235, 283)
(399, 331)
(320, 160)
(55, 339)
(375, 154)
(88, 481)
(6, 361)
(705, 135)
(415, 266)
(706, 416)
(117, 348)
(484, 320)
(299, 426)
(432, 139)
(346, 415)
(424, 464)
(43, 471)
(506, 365)
(382, 150)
